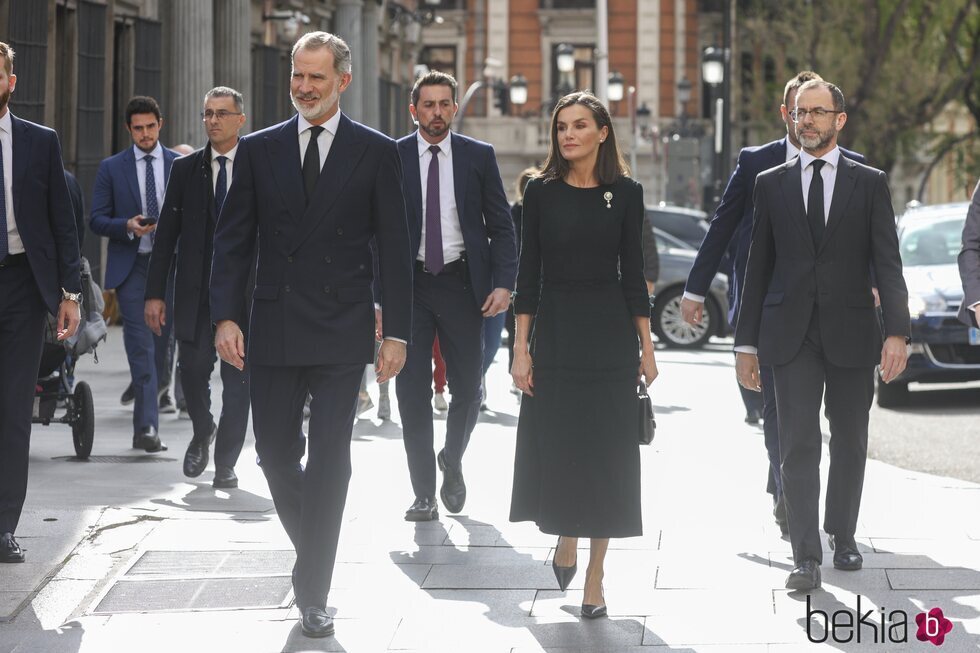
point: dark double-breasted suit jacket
(969, 261)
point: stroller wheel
(83, 422)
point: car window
(688, 228)
(932, 243)
(665, 242)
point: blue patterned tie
(152, 208)
(3, 209)
(222, 187)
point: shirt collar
(329, 126)
(230, 153)
(791, 151)
(157, 152)
(6, 124)
(832, 158)
(445, 145)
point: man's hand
(134, 226)
(155, 314)
(692, 311)
(68, 318)
(497, 302)
(894, 355)
(230, 343)
(391, 360)
(747, 371)
(378, 331)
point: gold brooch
(608, 197)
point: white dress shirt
(324, 140)
(452, 233)
(146, 241)
(14, 244)
(229, 166)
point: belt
(453, 267)
(14, 259)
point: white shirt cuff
(973, 305)
(130, 234)
(404, 342)
(694, 298)
(747, 349)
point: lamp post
(683, 96)
(506, 94)
(565, 62)
(713, 74)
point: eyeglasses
(220, 114)
(799, 115)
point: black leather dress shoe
(147, 439)
(806, 576)
(128, 395)
(779, 513)
(10, 551)
(224, 477)
(424, 509)
(199, 453)
(846, 554)
(753, 417)
(453, 490)
(316, 622)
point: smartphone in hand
(147, 221)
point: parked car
(943, 349)
(676, 260)
(688, 225)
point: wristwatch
(71, 296)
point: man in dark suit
(822, 224)
(731, 230)
(39, 273)
(969, 261)
(314, 191)
(196, 191)
(465, 255)
(126, 202)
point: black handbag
(647, 421)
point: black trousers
(310, 501)
(801, 386)
(22, 320)
(445, 305)
(196, 359)
(770, 430)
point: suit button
(326, 289)
(328, 259)
(289, 258)
(276, 232)
(287, 288)
(340, 231)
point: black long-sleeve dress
(577, 464)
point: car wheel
(892, 395)
(671, 329)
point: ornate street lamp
(616, 87)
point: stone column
(348, 23)
(232, 49)
(189, 70)
(370, 70)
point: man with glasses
(198, 186)
(823, 226)
(731, 231)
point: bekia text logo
(933, 626)
(874, 626)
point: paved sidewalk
(140, 558)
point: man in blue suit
(126, 201)
(313, 191)
(731, 229)
(465, 255)
(39, 273)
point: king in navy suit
(313, 191)
(731, 231)
(39, 274)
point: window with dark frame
(584, 74)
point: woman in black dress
(577, 465)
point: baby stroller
(57, 370)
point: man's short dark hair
(7, 53)
(433, 78)
(794, 84)
(142, 104)
(835, 92)
(225, 91)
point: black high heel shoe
(564, 575)
(594, 611)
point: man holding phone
(126, 204)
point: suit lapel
(843, 187)
(21, 143)
(208, 183)
(129, 171)
(791, 184)
(345, 153)
(460, 168)
(413, 183)
(283, 151)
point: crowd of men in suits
(289, 252)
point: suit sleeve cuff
(747, 349)
(404, 342)
(694, 298)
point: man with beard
(39, 273)
(823, 224)
(313, 191)
(126, 203)
(198, 186)
(465, 257)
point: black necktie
(221, 188)
(311, 162)
(434, 259)
(4, 246)
(814, 203)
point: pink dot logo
(933, 626)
